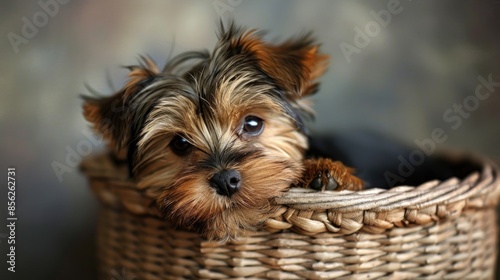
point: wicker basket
(438, 230)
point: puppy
(215, 136)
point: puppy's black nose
(226, 182)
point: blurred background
(399, 75)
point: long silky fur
(205, 97)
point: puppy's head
(215, 135)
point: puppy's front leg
(325, 174)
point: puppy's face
(216, 141)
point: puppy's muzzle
(226, 182)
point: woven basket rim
(311, 212)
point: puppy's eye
(253, 125)
(180, 145)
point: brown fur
(207, 105)
(324, 169)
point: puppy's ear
(112, 116)
(294, 65)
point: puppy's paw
(324, 174)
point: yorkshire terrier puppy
(216, 136)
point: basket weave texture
(438, 230)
